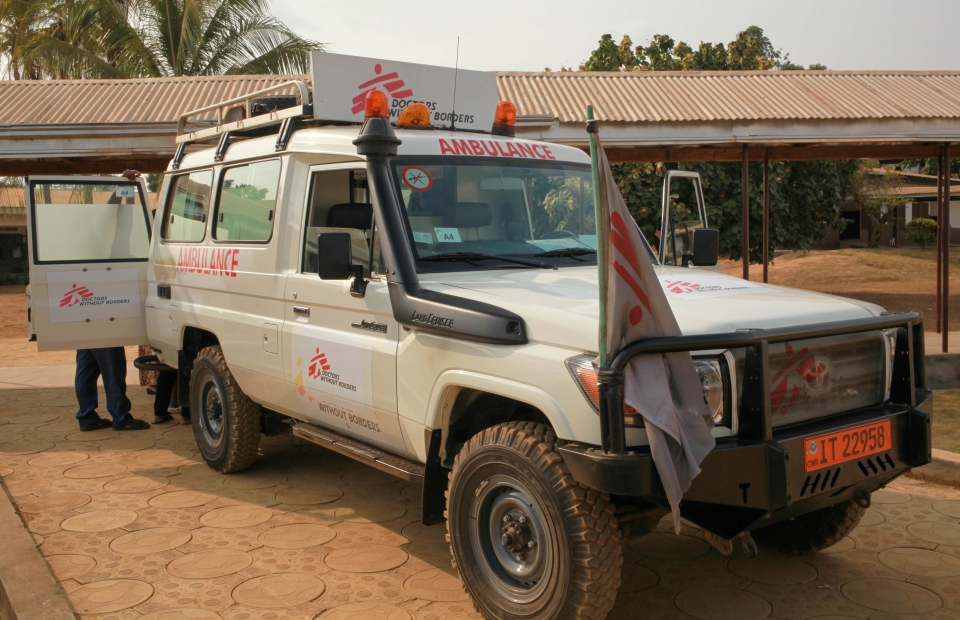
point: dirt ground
(897, 279)
(13, 312)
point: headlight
(709, 370)
(890, 351)
(711, 379)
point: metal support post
(745, 190)
(946, 247)
(939, 232)
(766, 212)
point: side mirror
(706, 248)
(335, 255)
(334, 252)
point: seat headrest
(468, 215)
(350, 215)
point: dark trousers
(111, 364)
(166, 382)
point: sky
(530, 35)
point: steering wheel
(561, 234)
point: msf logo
(801, 370)
(74, 296)
(390, 82)
(318, 364)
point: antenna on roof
(456, 69)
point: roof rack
(303, 108)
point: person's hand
(131, 175)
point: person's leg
(85, 386)
(113, 367)
(166, 382)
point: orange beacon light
(505, 119)
(377, 105)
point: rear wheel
(814, 531)
(226, 424)
(528, 540)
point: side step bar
(365, 453)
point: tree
(929, 166)
(804, 196)
(922, 230)
(43, 39)
(875, 191)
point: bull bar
(749, 480)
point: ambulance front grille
(820, 377)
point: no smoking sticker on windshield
(416, 178)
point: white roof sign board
(341, 84)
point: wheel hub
(212, 413)
(517, 536)
(510, 538)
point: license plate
(843, 446)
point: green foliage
(74, 39)
(875, 191)
(805, 197)
(804, 201)
(929, 166)
(922, 230)
(751, 50)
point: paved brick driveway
(135, 525)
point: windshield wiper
(473, 256)
(571, 252)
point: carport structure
(104, 126)
(754, 116)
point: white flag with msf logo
(665, 389)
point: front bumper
(748, 484)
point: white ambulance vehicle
(420, 293)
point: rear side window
(248, 198)
(187, 208)
(89, 222)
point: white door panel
(345, 375)
(89, 243)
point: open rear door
(683, 212)
(89, 242)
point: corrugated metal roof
(147, 100)
(679, 96)
(642, 96)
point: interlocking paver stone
(153, 540)
(111, 595)
(280, 590)
(136, 526)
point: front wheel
(226, 424)
(814, 531)
(529, 541)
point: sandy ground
(897, 279)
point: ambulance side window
(185, 219)
(339, 203)
(247, 202)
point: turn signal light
(377, 105)
(581, 367)
(505, 119)
(415, 115)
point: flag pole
(599, 220)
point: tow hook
(725, 545)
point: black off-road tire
(580, 525)
(814, 531)
(216, 401)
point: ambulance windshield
(460, 208)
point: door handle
(301, 310)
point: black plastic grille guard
(909, 372)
